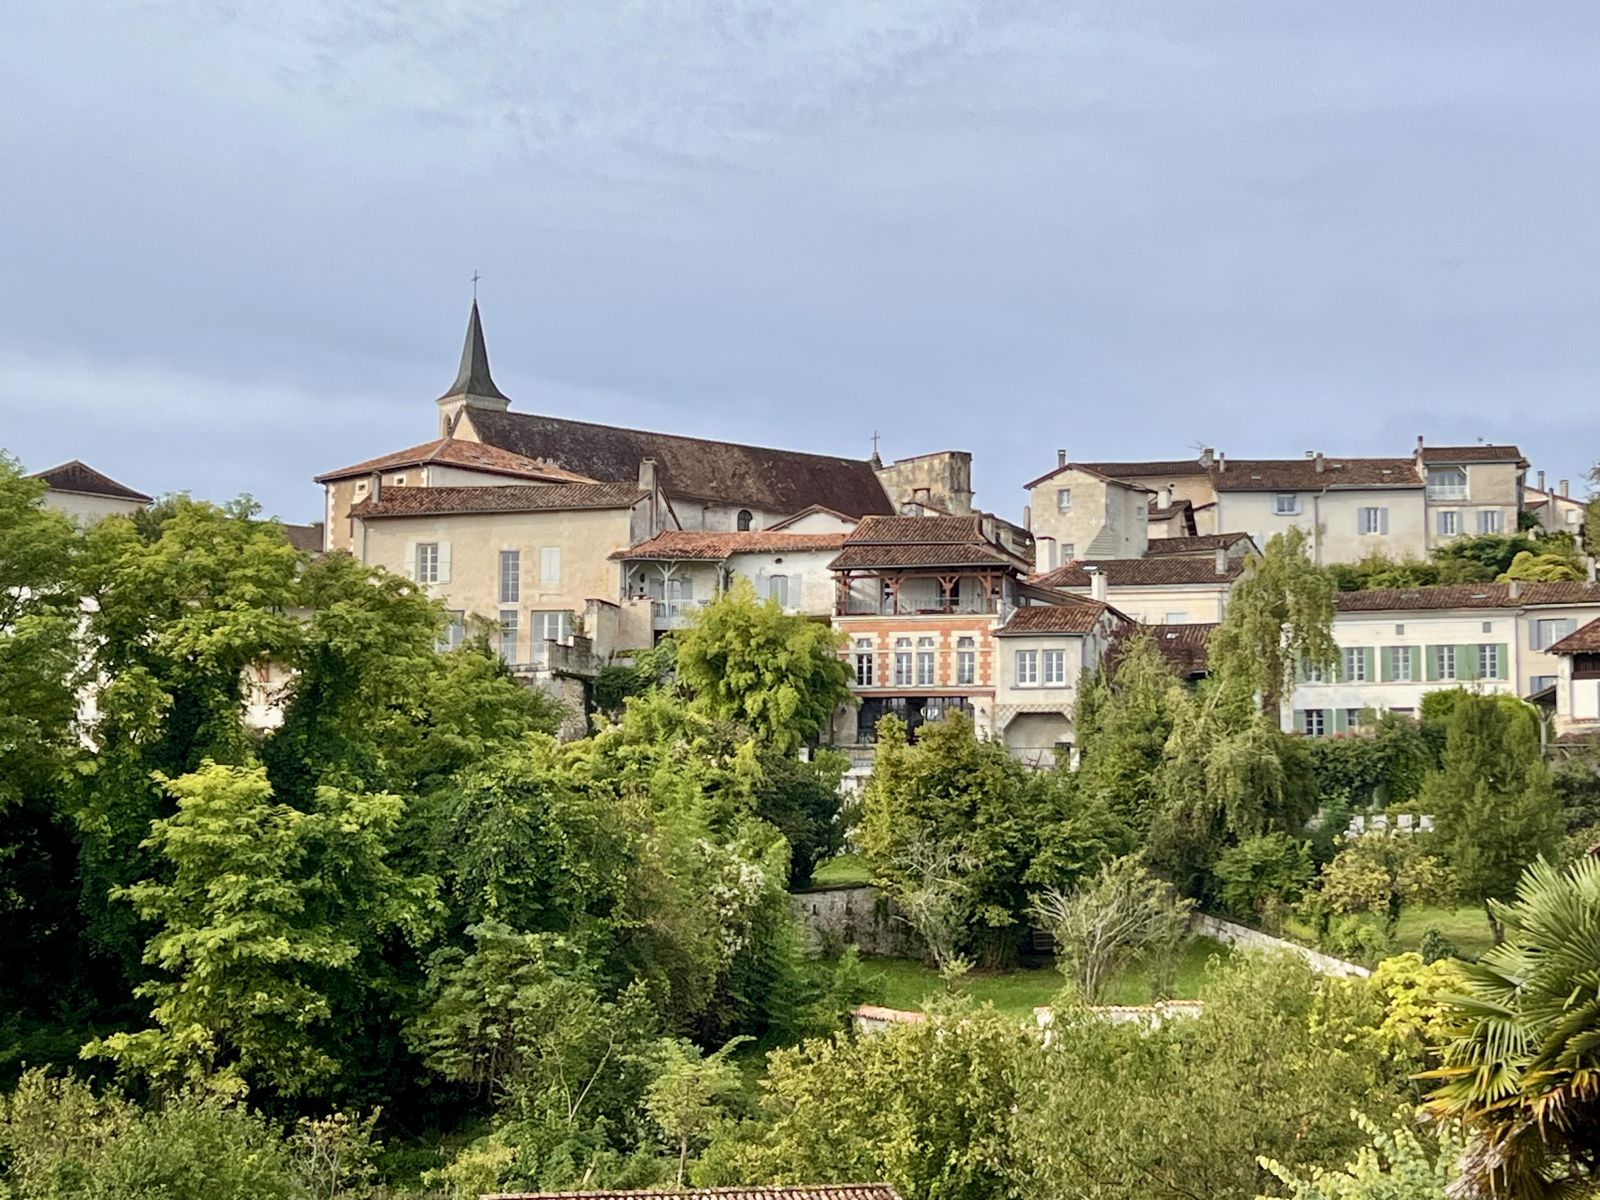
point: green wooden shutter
(1367, 668)
(1299, 720)
(1341, 723)
(1503, 661)
(1390, 667)
(1430, 664)
(1467, 661)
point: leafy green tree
(1280, 615)
(1381, 873)
(778, 674)
(801, 800)
(1124, 717)
(1528, 565)
(262, 915)
(1481, 558)
(1399, 1164)
(1263, 874)
(1492, 798)
(1376, 570)
(690, 1092)
(954, 819)
(1122, 912)
(1519, 1064)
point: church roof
(473, 379)
(79, 477)
(453, 452)
(775, 481)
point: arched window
(744, 519)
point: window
(553, 626)
(864, 657)
(902, 662)
(1444, 662)
(1488, 626)
(1175, 618)
(1447, 483)
(427, 562)
(1448, 522)
(778, 589)
(1352, 718)
(744, 519)
(1027, 668)
(966, 660)
(925, 662)
(1287, 504)
(1548, 631)
(1405, 669)
(1055, 668)
(1539, 682)
(1374, 520)
(549, 564)
(1489, 520)
(1355, 664)
(1489, 661)
(398, 481)
(1316, 722)
(510, 576)
(1063, 499)
(1312, 672)
(1400, 630)
(1139, 511)
(508, 634)
(455, 633)
(1069, 551)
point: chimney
(1589, 563)
(1061, 459)
(375, 490)
(1514, 589)
(1562, 486)
(1097, 584)
(1317, 458)
(1419, 445)
(1222, 463)
(1222, 560)
(1164, 496)
(1541, 481)
(647, 475)
(1027, 517)
(1207, 457)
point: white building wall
(811, 590)
(86, 510)
(1333, 521)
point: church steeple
(474, 386)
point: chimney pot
(1222, 560)
(1222, 462)
(376, 490)
(1164, 496)
(1318, 460)
(1061, 459)
(1419, 443)
(647, 474)
(1097, 585)
(1563, 486)
(1514, 589)
(1541, 481)
(1589, 563)
(1207, 457)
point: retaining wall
(1253, 939)
(856, 915)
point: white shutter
(411, 560)
(444, 562)
(549, 564)
(1383, 520)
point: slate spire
(474, 379)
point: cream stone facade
(1577, 686)
(85, 495)
(1038, 674)
(1341, 526)
(1471, 491)
(940, 482)
(1077, 513)
(1396, 645)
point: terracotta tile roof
(1199, 543)
(1585, 640)
(441, 501)
(81, 478)
(819, 1191)
(881, 531)
(457, 453)
(1142, 572)
(1468, 595)
(1139, 470)
(1472, 454)
(1116, 473)
(777, 481)
(1177, 508)
(937, 554)
(685, 543)
(1301, 474)
(1186, 648)
(1077, 618)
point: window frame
(1278, 509)
(431, 574)
(966, 661)
(925, 661)
(508, 630)
(1063, 500)
(1321, 715)
(511, 594)
(1025, 667)
(866, 654)
(902, 662)
(1053, 668)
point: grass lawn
(907, 984)
(839, 871)
(1468, 928)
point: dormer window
(744, 519)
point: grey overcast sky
(236, 238)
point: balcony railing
(672, 610)
(864, 606)
(1447, 491)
